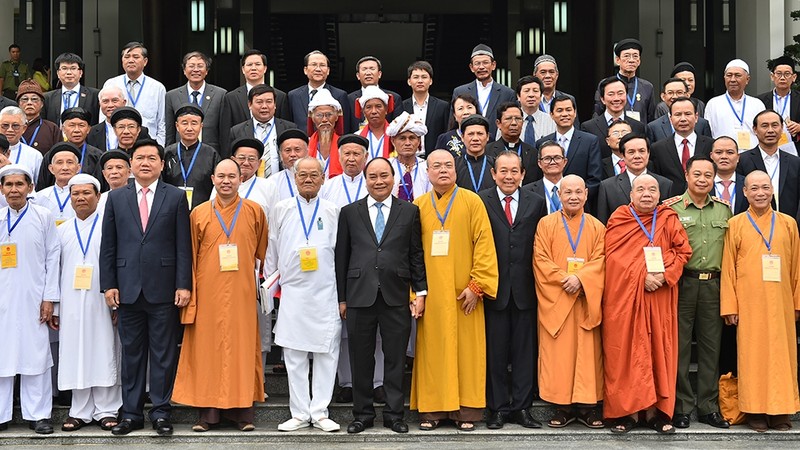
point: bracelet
(473, 286)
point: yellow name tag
(308, 259)
(654, 260)
(82, 280)
(60, 221)
(189, 191)
(228, 258)
(784, 139)
(743, 138)
(9, 255)
(574, 265)
(440, 244)
(634, 115)
(771, 268)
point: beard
(325, 136)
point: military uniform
(698, 300)
(13, 74)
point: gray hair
(109, 89)
(14, 111)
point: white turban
(370, 92)
(407, 122)
(323, 97)
(740, 64)
(15, 169)
(84, 178)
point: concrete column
(760, 29)
(7, 26)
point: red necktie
(508, 210)
(726, 193)
(621, 165)
(685, 154)
(143, 212)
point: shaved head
(573, 181)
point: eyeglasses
(318, 66)
(121, 128)
(618, 133)
(13, 126)
(439, 166)
(633, 57)
(242, 158)
(786, 75)
(320, 116)
(675, 93)
(34, 99)
(551, 159)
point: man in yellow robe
(569, 269)
(759, 293)
(449, 379)
(219, 370)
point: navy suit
(616, 191)
(147, 267)
(583, 159)
(436, 119)
(298, 104)
(598, 126)
(661, 128)
(665, 162)
(500, 94)
(355, 122)
(788, 184)
(235, 110)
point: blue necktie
(530, 135)
(380, 222)
(555, 203)
(67, 98)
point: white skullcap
(15, 169)
(407, 122)
(370, 92)
(740, 64)
(323, 97)
(84, 178)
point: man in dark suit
(615, 192)
(368, 73)
(316, 67)
(488, 93)
(103, 135)
(435, 112)
(379, 298)
(551, 162)
(511, 318)
(782, 168)
(199, 93)
(613, 94)
(615, 164)
(146, 275)
(69, 70)
(509, 122)
(669, 156)
(728, 185)
(661, 128)
(784, 99)
(234, 105)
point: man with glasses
(69, 70)
(640, 104)
(551, 163)
(784, 100)
(103, 135)
(42, 134)
(732, 113)
(509, 122)
(615, 164)
(686, 72)
(545, 68)
(488, 93)
(316, 68)
(127, 125)
(13, 125)
(661, 128)
(75, 127)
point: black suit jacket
(394, 265)
(436, 119)
(514, 245)
(97, 136)
(608, 168)
(599, 127)
(615, 192)
(583, 158)
(88, 100)
(788, 183)
(661, 128)
(355, 122)
(740, 203)
(500, 94)
(298, 104)
(794, 105)
(665, 162)
(154, 262)
(235, 110)
(213, 97)
(529, 157)
(245, 129)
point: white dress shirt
(514, 202)
(150, 103)
(773, 165)
(548, 188)
(564, 139)
(202, 92)
(692, 140)
(74, 99)
(151, 194)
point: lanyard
(775, 170)
(379, 150)
(307, 231)
(138, 94)
(326, 161)
(85, 249)
(225, 229)
(574, 244)
(19, 153)
(16, 222)
(403, 181)
(486, 103)
(652, 232)
(768, 243)
(83, 153)
(187, 172)
(545, 102)
(289, 183)
(785, 102)
(250, 189)
(36, 132)
(518, 150)
(269, 133)
(632, 99)
(61, 205)
(472, 173)
(346, 191)
(446, 211)
(744, 104)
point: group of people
(156, 244)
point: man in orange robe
(640, 323)
(220, 370)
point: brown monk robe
(640, 324)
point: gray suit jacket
(616, 191)
(211, 105)
(88, 100)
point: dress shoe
(326, 424)
(397, 425)
(357, 426)
(523, 417)
(125, 426)
(714, 419)
(681, 420)
(163, 427)
(496, 420)
(379, 395)
(293, 425)
(41, 426)
(345, 395)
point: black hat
(190, 110)
(114, 154)
(781, 61)
(626, 44)
(291, 133)
(482, 49)
(126, 112)
(63, 147)
(76, 113)
(682, 67)
(3, 142)
(249, 143)
(475, 119)
(352, 139)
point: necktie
(530, 135)
(262, 131)
(195, 94)
(380, 222)
(555, 203)
(685, 153)
(507, 209)
(143, 212)
(621, 164)
(563, 143)
(409, 185)
(67, 99)
(312, 94)
(726, 191)
(267, 162)
(132, 88)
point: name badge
(784, 139)
(574, 265)
(189, 191)
(82, 279)
(308, 259)
(228, 258)
(654, 260)
(771, 268)
(743, 138)
(440, 243)
(634, 115)
(8, 251)
(60, 221)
